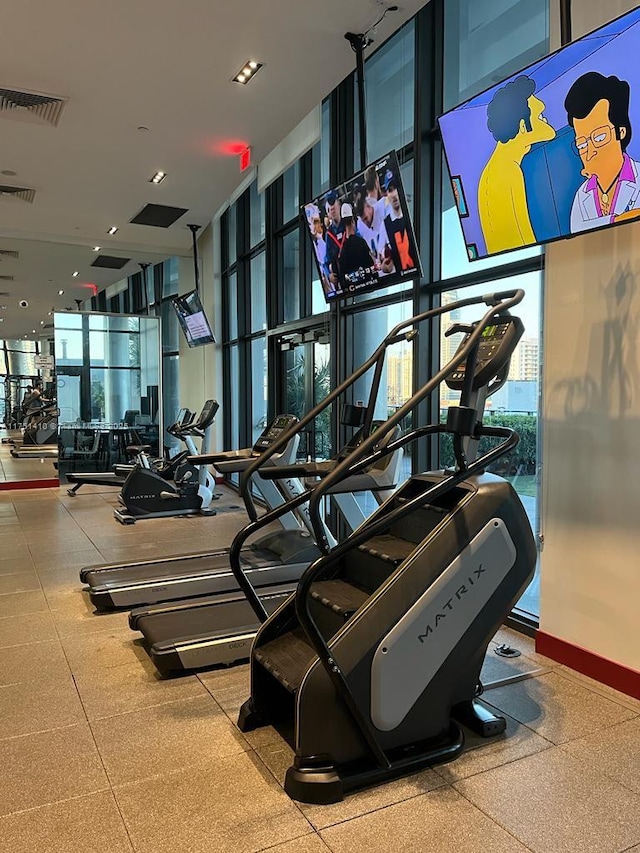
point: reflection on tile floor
(97, 753)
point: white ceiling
(165, 66)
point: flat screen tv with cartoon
(362, 232)
(553, 150)
(193, 320)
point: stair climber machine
(371, 667)
(219, 629)
(165, 467)
(121, 585)
(146, 494)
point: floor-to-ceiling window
(449, 52)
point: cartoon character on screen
(598, 110)
(516, 121)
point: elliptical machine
(146, 494)
(372, 665)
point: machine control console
(273, 431)
(496, 347)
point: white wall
(590, 570)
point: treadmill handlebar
(220, 456)
(303, 469)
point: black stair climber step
(388, 548)
(287, 658)
(341, 597)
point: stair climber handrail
(368, 529)
(405, 330)
(500, 305)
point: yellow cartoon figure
(516, 121)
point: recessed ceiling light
(158, 178)
(33, 331)
(3, 307)
(60, 292)
(76, 274)
(112, 230)
(248, 71)
(50, 314)
(97, 248)
(42, 322)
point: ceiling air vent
(158, 215)
(5, 278)
(31, 106)
(18, 193)
(9, 253)
(110, 262)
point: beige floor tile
(32, 662)
(116, 646)
(122, 689)
(615, 751)
(65, 558)
(64, 580)
(16, 554)
(555, 803)
(278, 757)
(31, 628)
(311, 843)
(556, 708)
(49, 766)
(481, 755)
(438, 822)
(35, 706)
(598, 687)
(229, 687)
(159, 740)
(11, 565)
(232, 807)
(89, 824)
(76, 619)
(21, 603)
(26, 581)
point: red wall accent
(606, 671)
(29, 484)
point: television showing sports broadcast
(193, 320)
(553, 150)
(362, 233)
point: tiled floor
(99, 755)
(20, 468)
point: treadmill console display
(208, 413)
(496, 347)
(273, 431)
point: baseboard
(601, 669)
(29, 484)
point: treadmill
(219, 629)
(123, 585)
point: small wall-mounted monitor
(554, 150)
(362, 232)
(193, 320)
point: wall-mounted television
(193, 320)
(362, 232)
(554, 150)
